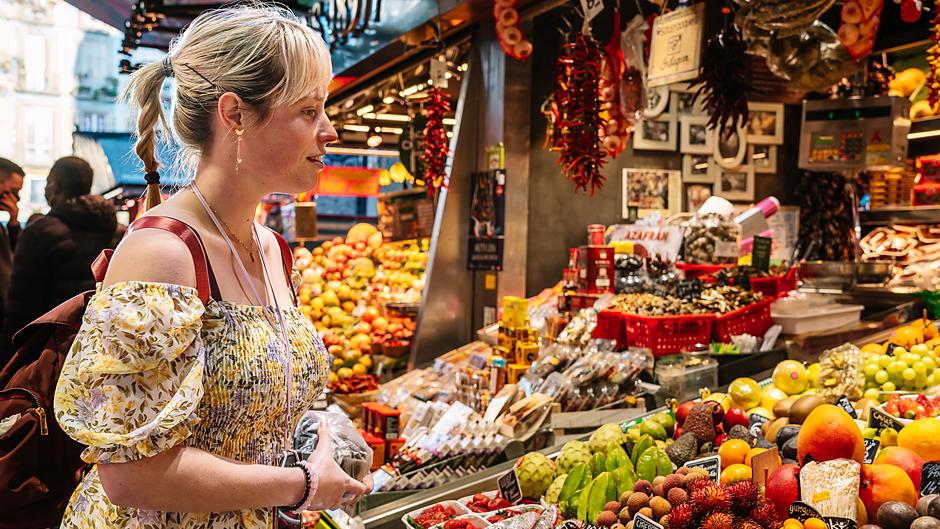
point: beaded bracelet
(311, 484)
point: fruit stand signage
(930, 479)
(487, 220)
(711, 463)
(676, 46)
(880, 420)
(642, 522)
(871, 449)
(844, 403)
(348, 182)
(509, 487)
(802, 511)
(834, 522)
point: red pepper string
(616, 133)
(574, 114)
(933, 60)
(435, 141)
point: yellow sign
(676, 46)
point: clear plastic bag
(710, 239)
(840, 373)
(350, 450)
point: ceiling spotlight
(364, 110)
(388, 100)
(374, 140)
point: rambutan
(711, 498)
(765, 514)
(718, 520)
(744, 496)
(697, 483)
(747, 523)
(682, 517)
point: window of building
(39, 130)
(34, 62)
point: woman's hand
(335, 488)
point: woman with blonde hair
(186, 399)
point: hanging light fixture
(374, 140)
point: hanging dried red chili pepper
(933, 60)
(574, 114)
(435, 141)
(508, 31)
(725, 78)
(616, 133)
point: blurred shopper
(53, 257)
(11, 182)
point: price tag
(803, 511)
(846, 405)
(760, 253)
(642, 522)
(880, 420)
(871, 448)
(757, 419)
(509, 487)
(835, 522)
(764, 464)
(591, 9)
(711, 463)
(930, 479)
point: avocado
(784, 434)
(788, 450)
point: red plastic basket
(664, 335)
(692, 271)
(753, 319)
(774, 286)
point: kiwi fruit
(782, 406)
(801, 408)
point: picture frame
(660, 134)
(762, 157)
(729, 148)
(651, 190)
(684, 100)
(765, 123)
(657, 102)
(693, 171)
(696, 195)
(735, 184)
(695, 137)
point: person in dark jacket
(53, 256)
(12, 177)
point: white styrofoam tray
(821, 319)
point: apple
(736, 416)
(682, 411)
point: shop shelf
(665, 335)
(753, 319)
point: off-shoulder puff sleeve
(132, 380)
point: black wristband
(306, 496)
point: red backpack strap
(287, 256)
(205, 280)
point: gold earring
(238, 149)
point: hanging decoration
(859, 27)
(933, 60)
(725, 78)
(510, 35)
(574, 114)
(616, 133)
(911, 10)
(435, 141)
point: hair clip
(167, 67)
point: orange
(753, 452)
(735, 473)
(733, 451)
(792, 523)
(920, 437)
(815, 523)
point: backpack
(40, 466)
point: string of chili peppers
(725, 77)
(616, 132)
(933, 60)
(435, 141)
(574, 114)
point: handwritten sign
(711, 463)
(880, 420)
(509, 487)
(757, 419)
(846, 405)
(676, 46)
(871, 449)
(803, 511)
(764, 464)
(591, 9)
(930, 479)
(642, 522)
(834, 522)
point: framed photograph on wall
(729, 147)
(652, 190)
(657, 102)
(735, 184)
(765, 123)
(694, 135)
(763, 158)
(685, 102)
(696, 195)
(658, 134)
(698, 169)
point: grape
(931, 379)
(871, 369)
(872, 393)
(920, 368)
(929, 362)
(909, 374)
(885, 361)
(920, 349)
(898, 351)
(888, 386)
(920, 382)
(896, 367)
(881, 377)
(909, 358)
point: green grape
(920, 382)
(929, 362)
(931, 380)
(881, 377)
(909, 374)
(908, 384)
(885, 360)
(872, 393)
(871, 369)
(920, 368)
(896, 367)
(907, 358)
(888, 386)
(920, 349)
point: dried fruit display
(574, 114)
(510, 36)
(725, 79)
(435, 141)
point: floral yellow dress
(153, 368)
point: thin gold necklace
(231, 233)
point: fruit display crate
(753, 319)
(664, 335)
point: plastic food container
(683, 382)
(460, 509)
(820, 319)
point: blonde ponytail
(143, 92)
